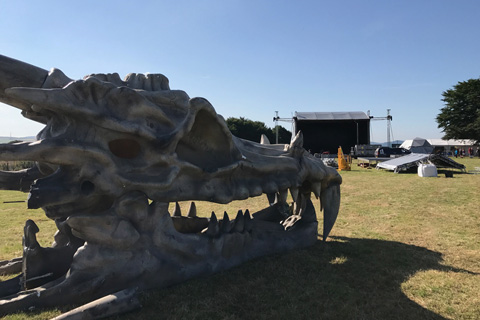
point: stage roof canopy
(328, 116)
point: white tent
(449, 146)
(418, 145)
(458, 143)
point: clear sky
(250, 58)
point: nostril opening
(124, 148)
(87, 188)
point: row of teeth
(281, 196)
(241, 224)
(243, 221)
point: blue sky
(252, 58)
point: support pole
(276, 127)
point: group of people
(462, 152)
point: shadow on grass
(342, 279)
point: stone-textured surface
(111, 157)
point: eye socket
(124, 148)
(87, 187)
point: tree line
(252, 130)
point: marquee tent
(418, 145)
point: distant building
(326, 131)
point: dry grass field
(404, 247)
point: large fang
(282, 196)
(271, 198)
(300, 204)
(331, 202)
(294, 193)
(248, 221)
(317, 189)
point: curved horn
(14, 73)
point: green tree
(252, 130)
(284, 136)
(460, 117)
(248, 129)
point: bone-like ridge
(112, 156)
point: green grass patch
(404, 247)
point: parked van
(386, 152)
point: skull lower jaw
(157, 255)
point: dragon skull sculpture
(113, 154)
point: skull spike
(177, 212)
(213, 228)
(239, 222)
(297, 141)
(225, 216)
(192, 211)
(30, 239)
(225, 223)
(264, 139)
